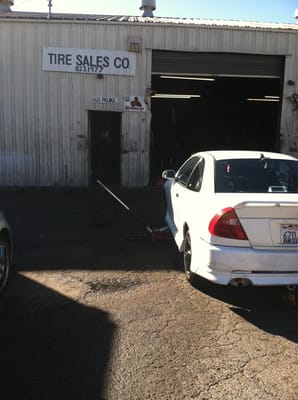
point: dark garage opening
(237, 105)
(104, 129)
(231, 113)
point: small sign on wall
(134, 44)
(105, 100)
(134, 103)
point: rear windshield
(256, 176)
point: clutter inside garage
(191, 114)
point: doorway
(105, 128)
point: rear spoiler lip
(266, 204)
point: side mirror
(169, 174)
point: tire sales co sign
(92, 61)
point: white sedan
(234, 215)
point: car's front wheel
(187, 253)
(4, 261)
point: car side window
(185, 171)
(196, 177)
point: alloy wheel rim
(3, 263)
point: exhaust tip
(240, 282)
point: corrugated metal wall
(44, 115)
(44, 138)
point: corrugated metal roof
(148, 20)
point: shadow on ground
(51, 346)
(272, 309)
(87, 229)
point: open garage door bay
(207, 101)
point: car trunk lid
(270, 224)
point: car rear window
(256, 176)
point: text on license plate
(289, 234)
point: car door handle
(177, 195)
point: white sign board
(92, 61)
(105, 100)
(134, 103)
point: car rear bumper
(223, 264)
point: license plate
(289, 234)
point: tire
(5, 261)
(187, 252)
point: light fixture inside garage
(189, 78)
(174, 96)
(265, 99)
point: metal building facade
(44, 131)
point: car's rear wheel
(4, 261)
(187, 253)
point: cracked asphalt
(96, 310)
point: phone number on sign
(84, 68)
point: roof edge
(17, 15)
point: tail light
(226, 224)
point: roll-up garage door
(217, 64)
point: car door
(187, 181)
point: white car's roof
(230, 154)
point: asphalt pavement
(97, 310)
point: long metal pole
(124, 205)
